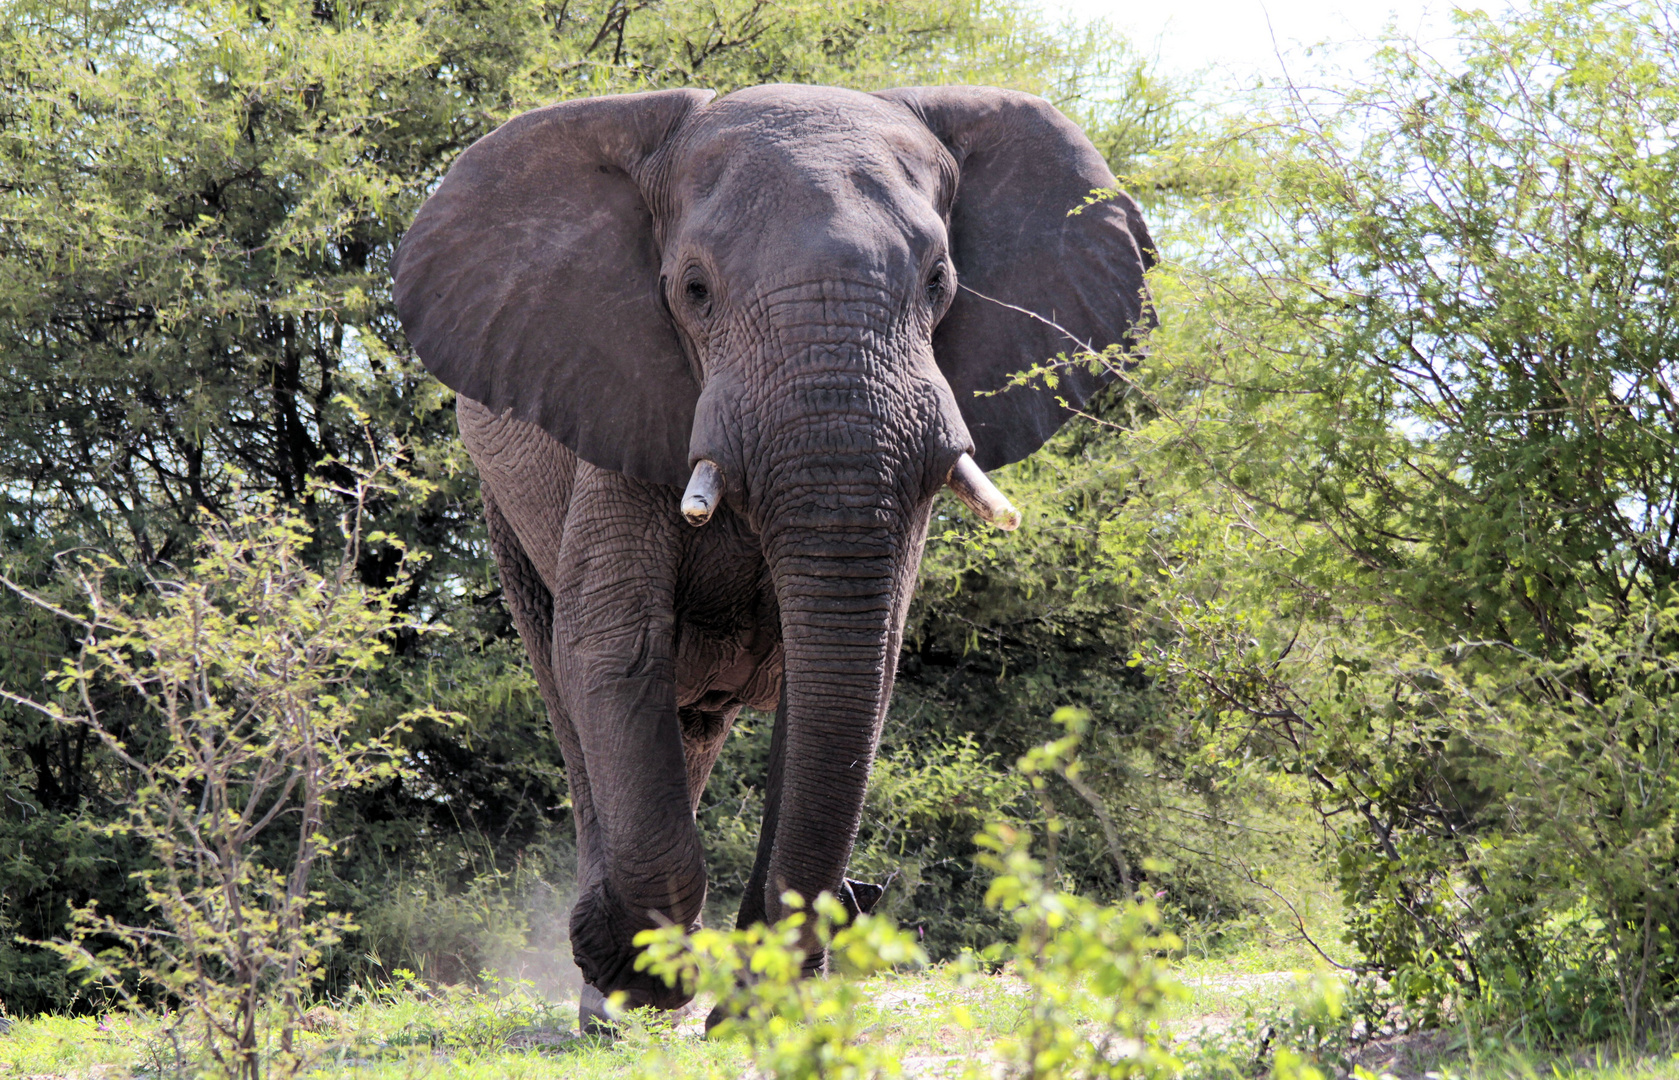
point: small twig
(1084, 346)
(1051, 323)
(1095, 802)
(1300, 924)
(44, 604)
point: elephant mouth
(967, 481)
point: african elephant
(772, 315)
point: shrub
(244, 676)
(1095, 975)
(797, 1027)
(1411, 517)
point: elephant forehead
(823, 142)
(774, 187)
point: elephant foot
(602, 934)
(716, 1016)
(592, 1018)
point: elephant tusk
(980, 495)
(705, 491)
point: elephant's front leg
(614, 646)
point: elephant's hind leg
(533, 616)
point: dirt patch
(1410, 1057)
(1218, 1020)
(1242, 984)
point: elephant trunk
(834, 464)
(843, 531)
(842, 616)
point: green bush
(1409, 523)
(238, 687)
(798, 1027)
(1094, 976)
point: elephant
(714, 358)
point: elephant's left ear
(1033, 281)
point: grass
(464, 1035)
(940, 1022)
(1505, 1063)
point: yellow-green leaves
(1095, 973)
(798, 1027)
(231, 694)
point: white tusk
(980, 495)
(705, 491)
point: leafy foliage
(1007, 630)
(797, 1027)
(1411, 525)
(1093, 972)
(1093, 980)
(252, 666)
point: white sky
(1238, 41)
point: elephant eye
(936, 283)
(697, 293)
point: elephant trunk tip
(980, 495)
(705, 491)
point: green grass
(940, 1022)
(466, 1035)
(1459, 1062)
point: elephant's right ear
(530, 281)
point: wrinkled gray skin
(622, 287)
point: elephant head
(795, 301)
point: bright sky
(1238, 40)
